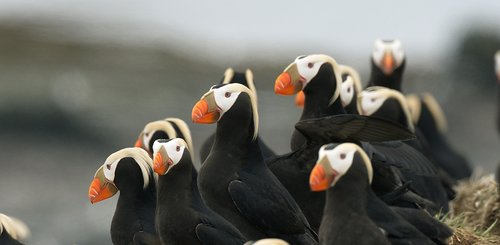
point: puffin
(324, 121)
(129, 171)
(181, 215)
(429, 118)
(12, 231)
(234, 180)
(168, 128)
(387, 64)
(230, 76)
(391, 104)
(353, 214)
(351, 87)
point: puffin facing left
(129, 171)
(234, 181)
(182, 217)
(12, 231)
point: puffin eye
(342, 156)
(373, 100)
(348, 89)
(108, 166)
(146, 134)
(310, 65)
(227, 94)
(178, 148)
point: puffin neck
(392, 81)
(133, 196)
(236, 128)
(319, 92)
(178, 180)
(350, 192)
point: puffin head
(160, 129)
(167, 154)
(183, 132)
(497, 65)
(301, 73)
(388, 55)
(373, 99)
(351, 86)
(221, 99)
(15, 228)
(334, 160)
(118, 171)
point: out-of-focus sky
(235, 29)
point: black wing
(425, 223)
(145, 238)
(350, 127)
(270, 207)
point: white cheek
(172, 152)
(346, 93)
(110, 173)
(340, 165)
(223, 102)
(370, 104)
(307, 73)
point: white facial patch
(369, 102)
(174, 149)
(341, 159)
(226, 96)
(394, 48)
(347, 91)
(308, 67)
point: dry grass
(475, 212)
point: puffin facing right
(12, 231)
(181, 214)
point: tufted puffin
(351, 87)
(129, 171)
(12, 231)
(353, 214)
(234, 181)
(387, 64)
(428, 116)
(293, 169)
(230, 76)
(181, 215)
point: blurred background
(80, 79)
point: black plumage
(444, 155)
(235, 182)
(7, 239)
(231, 76)
(135, 209)
(182, 216)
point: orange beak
(205, 111)
(289, 82)
(159, 165)
(138, 142)
(99, 191)
(388, 63)
(300, 99)
(318, 180)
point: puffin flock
(366, 165)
